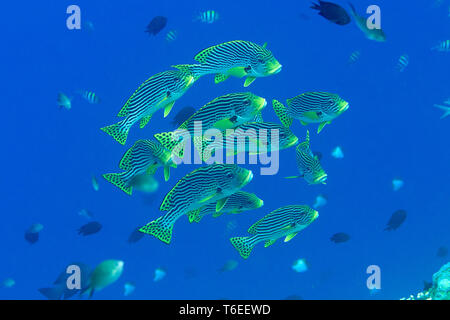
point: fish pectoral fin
(290, 236)
(258, 117)
(144, 121)
(303, 123)
(224, 124)
(208, 198)
(292, 177)
(269, 243)
(311, 115)
(249, 81)
(166, 173)
(237, 72)
(323, 124)
(221, 203)
(167, 108)
(220, 77)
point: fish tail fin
(242, 245)
(281, 112)
(116, 179)
(54, 293)
(167, 139)
(157, 229)
(118, 132)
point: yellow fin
(304, 123)
(220, 78)
(144, 121)
(269, 243)
(323, 124)
(290, 236)
(167, 108)
(192, 215)
(311, 115)
(208, 198)
(220, 204)
(166, 173)
(264, 45)
(224, 124)
(237, 72)
(217, 214)
(152, 169)
(249, 81)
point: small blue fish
(300, 265)
(128, 288)
(444, 46)
(354, 57)
(64, 102)
(159, 274)
(337, 153)
(90, 96)
(95, 183)
(321, 200)
(397, 183)
(86, 213)
(8, 283)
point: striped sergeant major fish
(239, 59)
(444, 46)
(224, 112)
(89, 96)
(361, 22)
(311, 107)
(237, 203)
(208, 16)
(144, 157)
(402, 63)
(285, 222)
(259, 139)
(308, 164)
(208, 184)
(159, 91)
(171, 36)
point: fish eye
(246, 102)
(282, 135)
(319, 113)
(230, 175)
(261, 61)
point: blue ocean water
(391, 129)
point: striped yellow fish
(285, 222)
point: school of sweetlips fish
(215, 189)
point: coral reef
(440, 289)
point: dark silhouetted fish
(90, 228)
(340, 237)
(32, 237)
(442, 252)
(332, 12)
(182, 116)
(396, 220)
(59, 290)
(156, 25)
(135, 236)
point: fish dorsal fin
(221, 203)
(264, 45)
(252, 229)
(220, 78)
(203, 55)
(249, 81)
(290, 236)
(144, 121)
(269, 243)
(167, 108)
(167, 139)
